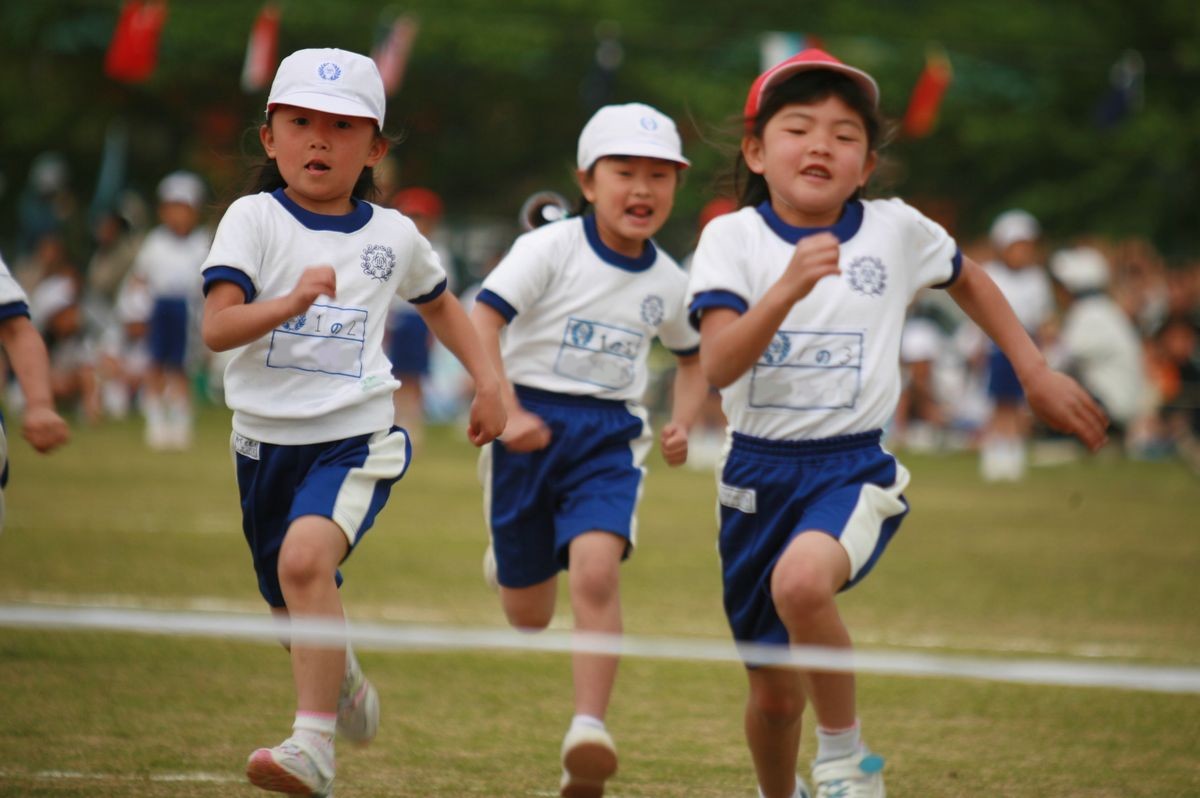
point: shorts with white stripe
(347, 481)
(770, 491)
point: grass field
(1095, 560)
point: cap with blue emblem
(330, 80)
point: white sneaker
(856, 776)
(489, 569)
(358, 709)
(294, 767)
(589, 758)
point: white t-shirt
(170, 263)
(1104, 351)
(13, 301)
(1027, 290)
(322, 375)
(833, 368)
(581, 317)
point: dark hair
(806, 87)
(265, 175)
(582, 205)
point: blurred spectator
(57, 314)
(47, 206)
(1175, 366)
(168, 265)
(1018, 273)
(409, 341)
(1099, 344)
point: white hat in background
(330, 80)
(1013, 226)
(1080, 269)
(634, 129)
(182, 187)
(49, 298)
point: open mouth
(819, 172)
(640, 212)
(316, 166)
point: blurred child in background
(168, 264)
(1018, 273)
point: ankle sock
(591, 721)
(317, 727)
(838, 743)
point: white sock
(315, 727)
(591, 721)
(838, 743)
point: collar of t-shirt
(614, 258)
(351, 222)
(844, 228)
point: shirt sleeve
(716, 279)
(675, 332)
(424, 278)
(520, 278)
(237, 250)
(937, 259)
(11, 292)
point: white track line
(381, 636)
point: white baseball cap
(330, 80)
(1013, 226)
(1080, 269)
(183, 187)
(633, 129)
(50, 297)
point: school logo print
(652, 310)
(296, 323)
(378, 262)
(867, 275)
(329, 71)
(649, 123)
(581, 332)
(778, 350)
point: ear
(587, 184)
(752, 153)
(379, 148)
(268, 140)
(868, 167)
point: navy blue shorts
(770, 491)
(589, 478)
(347, 481)
(1003, 384)
(168, 332)
(408, 349)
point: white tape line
(379, 636)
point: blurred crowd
(1112, 313)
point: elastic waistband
(537, 395)
(748, 444)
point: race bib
(598, 354)
(809, 370)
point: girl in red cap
(800, 297)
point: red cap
(811, 58)
(418, 202)
(718, 206)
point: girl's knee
(776, 707)
(801, 594)
(594, 583)
(533, 619)
(301, 565)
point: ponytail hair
(806, 87)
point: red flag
(262, 50)
(927, 95)
(133, 52)
(391, 53)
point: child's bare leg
(532, 607)
(596, 603)
(308, 561)
(773, 713)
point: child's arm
(229, 322)
(525, 431)
(687, 397)
(448, 321)
(730, 344)
(41, 425)
(1054, 397)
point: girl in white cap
(800, 297)
(300, 277)
(579, 302)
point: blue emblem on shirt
(778, 350)
(295, 323)
(329, 71)
(378, 261)
(652, 310)
(867, 275)
(581, 332)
